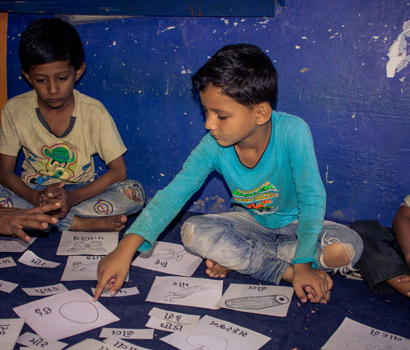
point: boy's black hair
(244, 72)
(47, 40)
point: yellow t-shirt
(49, 158)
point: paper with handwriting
(169, 258)
(7, 262)
(31, 259)
(45, 290)
(122, 344)
(87, 243)
(189, 291)
(257, 299)
(14, 245)
(216, 334)
(355, 335)
(66, 314)
(123, 292)
(127, 333)
(10, 329)
(34, 341)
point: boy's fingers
(300, 293)
(21, 234)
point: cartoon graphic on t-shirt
(60, 163)
(259, 199)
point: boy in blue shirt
(59, 131)
(276, 230)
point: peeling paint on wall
(398, 57)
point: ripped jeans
(238, 242)
(113, 201)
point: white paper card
(126, 333)
(34, 341)
(169, 326)
(257, 299)
(10, 329)
(122, 344)
(174, 316)
(46, 290)
(81, 268)
(7, 287)
(197, 292)
(31, 259)
(123, 292)
(87, 243)
(66, 314)
(354, 335)
(7, 262)
(169, 258)
(213, 333)
(91, 344)
(14, 245)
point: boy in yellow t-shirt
(60, 130)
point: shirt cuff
(313, 262)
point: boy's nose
(210, 122)
(52, 87)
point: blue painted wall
(331, 58)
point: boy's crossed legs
(106, 212)
(235, 241)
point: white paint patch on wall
(398, 57)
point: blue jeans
(112, 201)
(238, 242)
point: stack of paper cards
(66, 314)
(257, 299)
(169, 258)
(197, 292)
(87, 243)
(171, 321)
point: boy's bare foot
(104, 223)
(216, 270)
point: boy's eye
(221, 117)
(40, 81)
(62, 78)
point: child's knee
(134, 191)
(338, 253)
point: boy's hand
(14, 220)
(311, 284)
(111, 272)
(113, 268)
(56, 193)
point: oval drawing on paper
(79, 311)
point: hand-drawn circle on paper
(79, 311)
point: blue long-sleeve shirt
(283, 187)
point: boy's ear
(263, 113)
(79, 72)
(26, 76)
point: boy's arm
(113, 268)
(401, 228)
(10, 180)
(117, 172)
